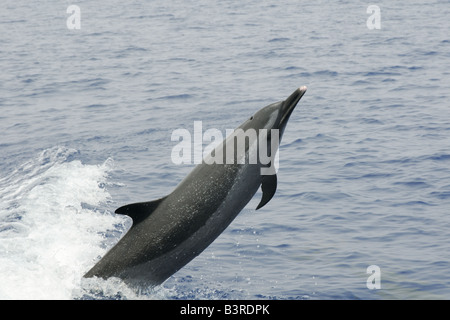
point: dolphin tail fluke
(268, 187)
(139, 211)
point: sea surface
(86, 117)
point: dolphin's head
(275, 115)
(263, 131)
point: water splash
(52, 224)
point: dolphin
(168, 233)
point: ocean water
(364, 179)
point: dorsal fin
(139, 211)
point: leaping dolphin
(169, 232)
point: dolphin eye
(251, 118)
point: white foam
(53, 225)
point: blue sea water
(364, 179)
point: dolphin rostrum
(169, 232)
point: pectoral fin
(268, 187)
